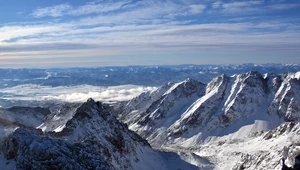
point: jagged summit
(229, 111)
(90, 100)
(91, 138)
(192, 108)
(89, 108)
(162, 110)
(232, 122)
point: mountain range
(228, 111)
(86, 137)
(240, 121)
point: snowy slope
(164, 111)
(136, 108)
(246, 121)
(262, 150)
(60, 115)
(221, 107)
(92, 123)
(286, 102)
(82, 136)
(235, 110)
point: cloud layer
(80, 93)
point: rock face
(199, 113)
(90, 139)
(190, 108)
(32, 151)
(238, 122)
(136, 108)
(59, 116)
(246, 121)
(91, 122)
(286, 102)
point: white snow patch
(197, 104)
(244, 131)
(297, 75)
(57, 123)
(42, 127)
(226, 152)
(172, 88)
(60, 128)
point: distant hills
(137, 75)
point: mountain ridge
(246, 120)
(91, 139)
(231, 108)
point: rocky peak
(286, 101)
(252, 78)
(225, 103)
(88, 111)
(184, 88)
(93, 125)
(31, 151)
(247, 94)
(190, 86)
(176, 96)
(273, 82)
(90, 100)
(89, 108)
(203, 109)
(216, 82)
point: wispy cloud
(196, 9)
(241, 4)
(89, 8)
(53, 11)
(216, 4)
(102, 28)
(118, 10)
(237, 6)
(101, 7)
(284, 6)
(251, 7)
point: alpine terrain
(245, 121)
(76, 137)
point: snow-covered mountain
(242, 121)
(190, 115)
(85, 136)
(43, 87)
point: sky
(78, 33)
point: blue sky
(77, 33)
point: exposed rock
(32, 151)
